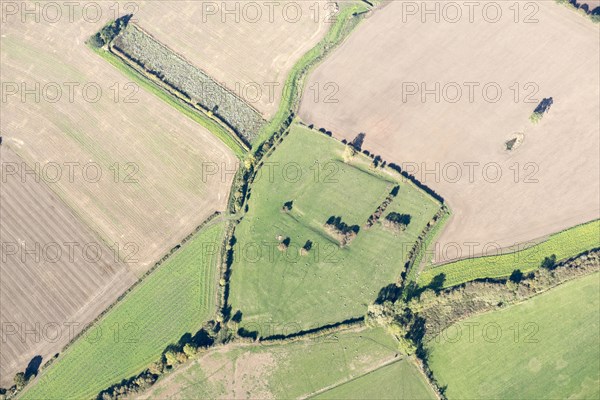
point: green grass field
(565, 244)
(548, 348)
(175, 299)
(384, 383)
(330, 284)
(294, 370)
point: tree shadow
(33, 367)
(237, 317)
(390, 292)
(358, 141)
(413, 290)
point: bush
(190, 349)
(97, 40)
(20, 380)
(549, 262)
(398, 219)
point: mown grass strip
(175, 299)
(345, 22)
(563, 245)
(214, 127)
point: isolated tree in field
(283, 246)
(287, 206)
(306, 248)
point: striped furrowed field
(250, 50)
(191, 82)
(56, 274)
(174, 300)
(129, 169)
(562, 245)
(137, 167)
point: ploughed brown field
(455, 144)
(121, 167)
(141, 172)
(56, 274)
(249, 48)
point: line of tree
(426, 312)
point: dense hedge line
(421, 317)
(196, 86)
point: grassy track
(283, 370)
(292, 89)
(548, 348)
(175, 299)
(214, 127)
(565, 244)
(400, 380)
(330, 284)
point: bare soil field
(490, 77)
(50, 287)
(134, 169)
(248, 48)
(116, 164)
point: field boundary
(155, 77)
(207, 222)
(446, 267)
(565, 264)
(417, 321)
(196, 115)
(346, 21)
(335, 385)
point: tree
(516, 276)
(181, 357)
(171, 357)
(156, 367)
(190, 349)
(288, 205)
(249, 162)
(20, 380)
(97, 40)
(549, 263)
(349, 153)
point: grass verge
(563, 245)
(214, 127)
